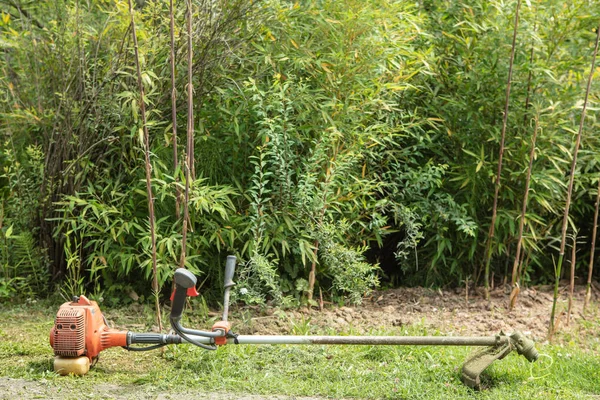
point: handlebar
(184, 280)
(185, 285)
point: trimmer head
(480, 360)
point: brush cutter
(81, 332)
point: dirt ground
(11, 389)
(447, 311)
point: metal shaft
(367, 340)
(226, 303)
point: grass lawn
(570, 370)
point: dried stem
(174, 108)
(570, 191)
(490, 238)
(588, 289)
(155, 288)
(467, 292)
(320, 300)
(530, 75)
(572, 280)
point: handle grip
(229, 271)
(229, 283)
(185, 284)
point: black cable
(234, 336)
(176, 328)
(147, 348)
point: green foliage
(351, 275)
(466, 94)
(345, 135)
(23, 265)
(113, 233)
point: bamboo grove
(330, 145)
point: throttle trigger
(192, 292)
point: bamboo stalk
(174, 109)
(588, 292)
(500, 155)
(190, 138)
(313, 268)
(572, 280)
(525, 261)
(570, 192)
(155, 288)
(530, 75)
(516, 278)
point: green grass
(568, 371)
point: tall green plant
(515, 275)
(148, 167)
(570, 189)
(490, 238)
(379, 115)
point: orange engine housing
(80, 330)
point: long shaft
(226, 303)
(364, 340)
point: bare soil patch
(11, 389)
(445, 311)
